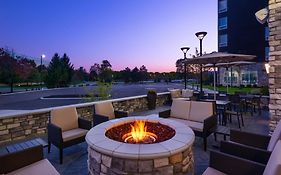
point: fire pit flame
(139, 134)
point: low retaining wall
(34, 123)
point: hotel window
(249, 77)
(266, 49)
(222, 23)
(223, 40)
(266, 33)
(222, 6)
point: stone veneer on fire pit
(107, 156)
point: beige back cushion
(105, 109)
(175, 93)
(199, 111)
(65, 118)
(276, 135)
(273, 166)
(180, 109)
(186, 93)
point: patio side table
(27, 144)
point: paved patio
(75, 157)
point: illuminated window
(222, 23)
(223, 40)
(222, 6)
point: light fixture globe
(201, 35)
(267, 67)
(43, 56)
(185, 49)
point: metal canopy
(235, 63)
(219, 57)
(215, 58)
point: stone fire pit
(172, 156)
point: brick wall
(274, 23)
(23, 126)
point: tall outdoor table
(221, 105)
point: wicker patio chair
(66, 129)
(27, 161)
(222, 163)
(104, 111)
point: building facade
(239, 32)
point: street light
(41, 64)
(184, 50)
(200, 36)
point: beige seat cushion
(199, 111)
(186, 93)
(73, 134)
(175, 93)
(273, 166)
(196, 126)
(212, 171)
(42, 167)
(105, 109)
(276, 135)
(180, 109)
(65, 118)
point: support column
(274, 23)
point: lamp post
(200, 36)
(41, 64)
(184, 50)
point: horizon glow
(125, 32)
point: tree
(126, 75)
(143, 73)
(68, 67)
(94, 72)
(9, 69)
(105, 65)
(60, 71)
(80, 75)
(135, 74)
(105, 71)
(27, 67)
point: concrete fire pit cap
(183, 139)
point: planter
(151, 99)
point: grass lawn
(232, 90)
(5, 88)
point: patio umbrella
(219, 57)
(230, 64)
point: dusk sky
(128, 33)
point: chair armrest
(210, 123)
(98, 119)
(16, 160)
(233, 165)
(84, 124)
(250, 139)
(165, 114)
(54, 134)
(120, 114)
(246, 152)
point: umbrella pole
(231, 76)
(227, 80)
(214, 82)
